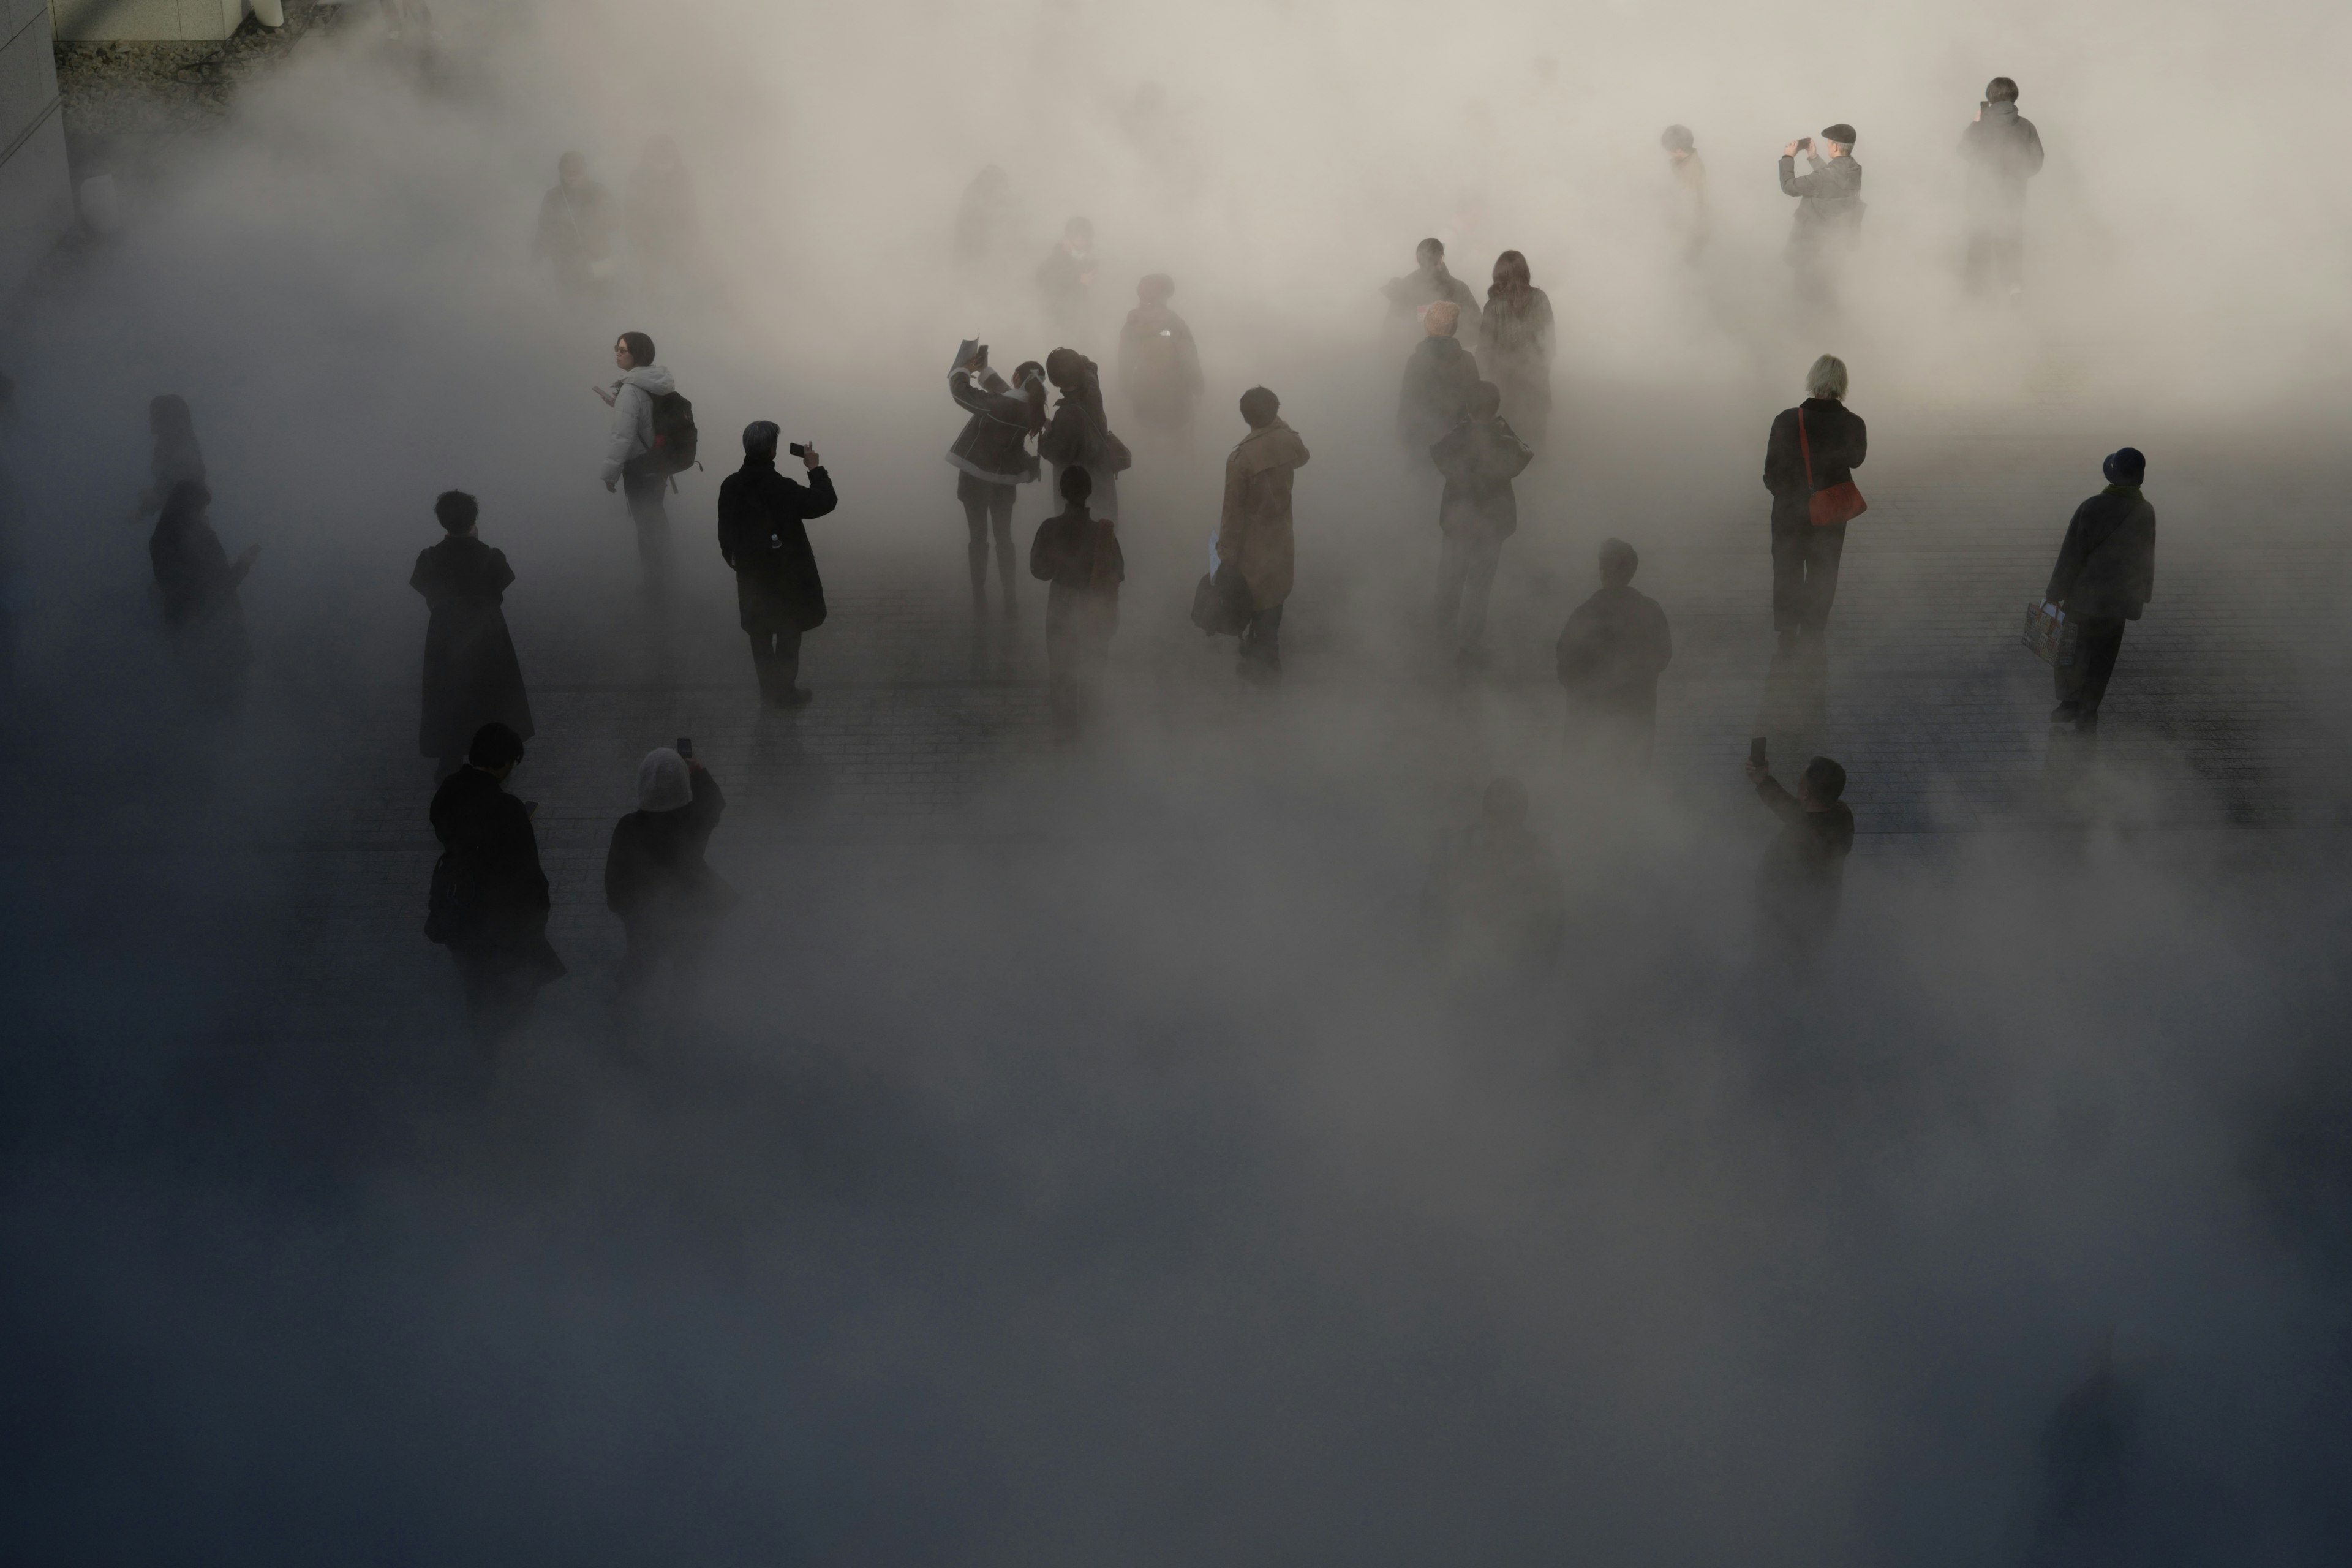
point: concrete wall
(154, 21)
(35, 195)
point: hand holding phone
(685, 747)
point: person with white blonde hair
(656, 878)
(1813, 447)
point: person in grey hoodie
(2003, 151)
(629, 455)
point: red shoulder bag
(1842, 502)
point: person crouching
(1079, 555)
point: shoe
(2066, 713)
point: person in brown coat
(1254, 534)
(1079, 555)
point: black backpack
(675, 437)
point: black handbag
(1221, 603)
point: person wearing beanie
(489, 901)
(763, 537)
(656, 878)
(1829, 213)
(2003, 152)
(471, 675)
(1079, 555)
(2105, 577)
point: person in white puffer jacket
(628, 454)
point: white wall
(152, 20)
(36, 197)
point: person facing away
(1687, 207)
(2003, 152)
(985, 218)
(630, 463)
(1479, 457)
(1079, 555)
(1159, 367)
(489, 900)
(779, 597)
(991, 456)
(1066, 280)
(660, 214)
(1079, 434)
(1429, 283)
(1805, 558)
(2105, 577)
(576, 222)
(1610, 654)
(1829, 212)
(1253, 529)
(656, 877)
(176, 456)
(197, 584)
(1801, 879)
(471, 675)
(1494, 901)
(1437, 382)
(1516, 344)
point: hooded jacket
(1479, 459)
(1254, 534)
(2003, 151)
(656, 878)
(993, 446)
(633, 416)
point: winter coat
(1829, 201)
(1159, 368)
(471, 675)
(993, 446)
(1479, 459)
(2106, 567)
(1611, 652)
(488, 891)
(760, 514)
(1802, 876)
(2003, 151)
(1079, 434)
(633, 416)
(1435, 397)
(1080, 556)
(1254, 534)
(1515, 343)
(656, 878)
(1840, 441)
(1423, 287)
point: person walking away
(632, 460)
(1610, 654)
(1253, 530)
(176, 456)
(196, 583)
(763, 537)
(991, 456)
(986, 218)
(1829, 214)
(1686, 209)
(471, 675)
(1494, 904)
(1429, 283)
(661, 217)
(2003, 152)
(1438, 378)
(1804, 557)
(656, 877)
(2105, 577)
(1516, 344)
(1079, 555)
(1801, 879)
(1479, 457)
(1158, 365)
(1079, 434)
(1066, 282)
(489, 900)
(576, 222)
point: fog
(1074, 1153)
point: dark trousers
(1075, 661)
(1465, 577)
(1262, 645)
(2085, 681)
(1804, 577)
(987, 509)
(646, 487)
(1996, 259)
(776, 655)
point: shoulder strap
(1804, 446)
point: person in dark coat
(1479, 457)
(1256, 536)
(1080, 433)
(1494, 902)
(1801, 879)
(577, 219)
(2003, 152)
(1158, 365)
(1429, 283)
(197, 584)
(489, 899)
(985, 218)
(1438, 378)
(471, 675)
(778, 594)
(655, 879)
(1516, 340)
(1079, 555)
(2105, 577)
(991, 456)
(1829, 213)
(1610, 654)
(1065, 280)
(1805, 559)
(177, 455)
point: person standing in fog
(656, 877)
(2003, 152)
(176, 456)
(1516, 344)
(471, 675)
(761, 533)
(489, 901)
(576, 222)
(1688, 208)
(991, 456)
(1079, 434)
(1829, 214)
(1494, 904)
(1438, 379)
(663, 219)
(1479, 457)
(1429, 283)
(1065, 280)
(1812, 446)
(1158, 367)
(631, 462)
(196, 583)
(1079, 555)
(2105, 577)
(1610, 654)
(1801, 879)
(1253, 530)
(985, 219)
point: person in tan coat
(1253, 534)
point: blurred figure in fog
(576, 221)
(1829, 214)
(1801, 879)
(1253, 530)
(1429, 283)
(763, 536)
(1687, 209)
(1810, 448)
(1079, 555)
(655, 879)
(2085, 1463)
(471, 675)
(1610, 654)
(631, 462)
(664, 225)
(991, 456)
(987, 220)
(1158, 367)
(1494, 901)
(1066, 282)
(1080, 433)
(2003, 151)
(1516, 344)
(196, 583)
(1479, 457)
(176, 456)
(1438, 379)
(489, 902)
(2105, 577)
